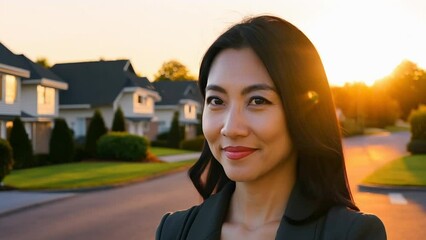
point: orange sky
(358, 40)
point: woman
(272, 166)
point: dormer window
(141, 100)
(45, 95)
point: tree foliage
(43, 62)
(94, 132)
(367, 106)
(21, 145)
(407, 85)
(173, 70)
(61, 145)
(118, 124)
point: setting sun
(363, 44)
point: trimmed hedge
(118, 123)
(6, 159)
(417, 121)
(94, 132)
(21, 145)
(122, 146)
(417, 146)
(195, 144)
(61, 145)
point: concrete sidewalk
(11, 201)
(180, 157)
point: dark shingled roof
(9, 58)
(97, 83)
(172, 92)
(38, 72)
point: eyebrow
(245, 91)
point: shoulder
(350, 224)
(172, 224)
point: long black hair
(295, 68)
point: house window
(11, 88)
(45, 95)
(142, 100)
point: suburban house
(33, 97)
(107, 85)
(183, 97)
(11, 73)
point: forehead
(238, 67)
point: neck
(263, 201)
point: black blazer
(205, 221)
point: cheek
(211, 127)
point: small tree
(61, 145)
(6, 160)
(21, 145)
(174, 136)
(118, 124)
(94, 132)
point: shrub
(417, 120)
(61, 145)
(94, 132)
(41, 159)
(122, 146)
(195, 144)
(159, 143)
(6, 159)
(417, 146)
(118, 124)
(349, 127)
(163, 136)
(21, 145)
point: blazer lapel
(297, 222)
(211, 215)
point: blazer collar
(212, 213)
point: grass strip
(405, 171)
(87, 174)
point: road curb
(387, 189)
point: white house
(183, 97)
(11, 73)
(107, 85)
(33, 97)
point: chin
(239, 176)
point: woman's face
(243, 118)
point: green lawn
(88, 174)
(160, 151)
(405, 171)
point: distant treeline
(389, 99)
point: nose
(234, 124)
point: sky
(361, 40)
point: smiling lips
(238, 152)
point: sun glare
(360, 44)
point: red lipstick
(237, 152)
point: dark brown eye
(258, 101)
(214, 101)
